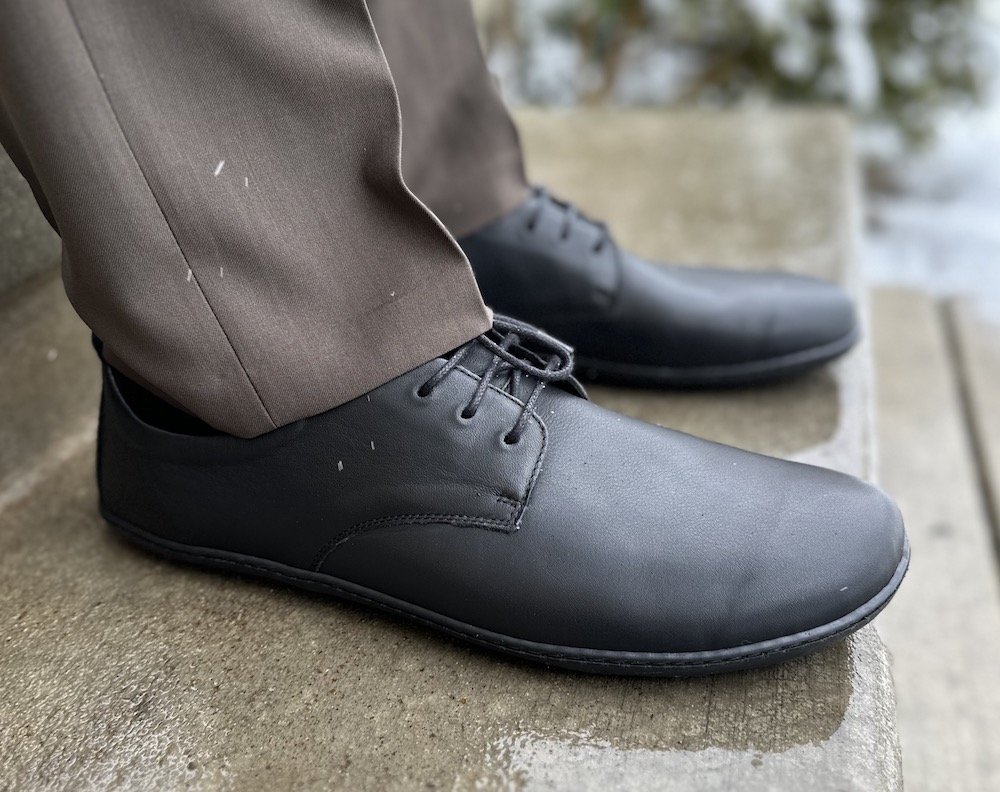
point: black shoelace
(520, 352)
(542, 198)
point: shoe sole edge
(594, 661)
(730, 375)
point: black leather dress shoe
(483, 496)
(635, 323)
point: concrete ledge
(50, 384)
(975, 333)
(943, 629)
(122, 671)
(28, 245)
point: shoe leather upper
(547, 264)
(593, 530)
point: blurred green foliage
(895, 63)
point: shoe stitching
(501, 526)
(400, 520)
(533, 478)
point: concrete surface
(121, 671)
(28, 245)
(974, 327)
(50, 384)
(943, 628)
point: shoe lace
(513, 360)
(542, 198)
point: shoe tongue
(596, 255)
(479, 358)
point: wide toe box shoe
(482, 495)
(636, 323)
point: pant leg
(225, 178)
(461, 151)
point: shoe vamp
(682, 317)
(636, 538)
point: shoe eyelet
(422, 392)
(463, 416)
(507, 441)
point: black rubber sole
(594, 661)
(724, 376)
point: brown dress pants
(226, 179)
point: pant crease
(166, 220)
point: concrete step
(974, 325)
(943, 629)
(122, 671)
(28, 246)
